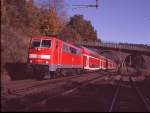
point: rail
(66, 92)
(141, 96)
(138, 93)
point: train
(49, 54)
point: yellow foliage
(51, 23)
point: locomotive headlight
(45, 56)
(46, 62)
(39, 49)
(30, 61)
(32, 55)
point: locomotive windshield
(35, 43)
(41, 43)
(46, 43)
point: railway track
(129, 98)
(144, 87)
(43, 88)
(63, 93)
(23, 85)
(24, 88)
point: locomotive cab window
(35, 43)
(41, 43)
(46, 43)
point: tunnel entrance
(135, 61)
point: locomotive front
(39, 54)
(40, 50)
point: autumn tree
(50, 23)
(11, 11)
(53, 16)
(79, 29)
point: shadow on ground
(17, 71)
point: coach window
(73, 50)
(65, 48)
(78, 52)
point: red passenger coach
(91, 59)
(52, 55)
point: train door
(86, 62)
(57, 53)
(100, 64)
(103, 63)
(107, 64)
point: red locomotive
(49, 54)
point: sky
(116, 20)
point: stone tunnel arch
(133, 64)
(134, 60)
